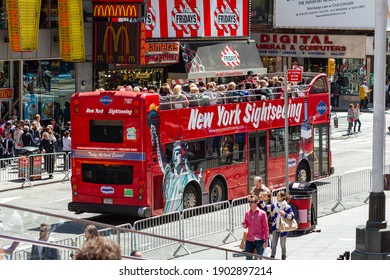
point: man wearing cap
(249, 77)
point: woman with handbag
(277, 210)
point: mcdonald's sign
(23, 24)
(71, 30)
(116, 43)
(122, 1)
(116, 10)
(6, 93)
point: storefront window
(135, 77)
(261, 11)
(269, 62)
(48, 86)
(49, 14)
(351, 72)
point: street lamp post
(373, 239)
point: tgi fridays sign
(310, 45)
(197, 18)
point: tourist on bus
(220, 94)
(179, 99)
(256, 222)
(193, 96)
(281, 207)
(209, 92)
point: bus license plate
(108, 201)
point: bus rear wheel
(190, 197)
(303, 173)
(217, 191)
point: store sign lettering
(309, 44)
(250, 115)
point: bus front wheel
(303, 173)
(190, 197)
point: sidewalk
(18, 184)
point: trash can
(304, 197)
(31, 166)
(336, 122)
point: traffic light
(331, 66)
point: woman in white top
(66, 142)
(66, 148)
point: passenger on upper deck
(165, 97)
(179, 99)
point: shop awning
(228, 59)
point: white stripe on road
(8, 199)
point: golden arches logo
(98, 11)
(116, 36)
(115, 10)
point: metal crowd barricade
(205, 220)
(66, 254)
(10, 169)
(327, 189)
(126, 239)
(164, 225)
(238, 208)
(355, 183)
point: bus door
(257, 157)
(321, 150)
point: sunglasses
(251, 201)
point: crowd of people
(251, 88)
(263, 218)
(16, 134)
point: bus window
(228, 148)
(106, 131)
(111, 174)
(277, 141)
(196, 154)
(319, 86)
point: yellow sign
(331, 66)
(23, 24)
(71, 30)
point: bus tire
(191, 197)
(217, 191)
(303, 173)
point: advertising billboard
(330, 14)
(197, 19)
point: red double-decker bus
(131, 156)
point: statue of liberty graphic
(177, 174)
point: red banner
(203, 19)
